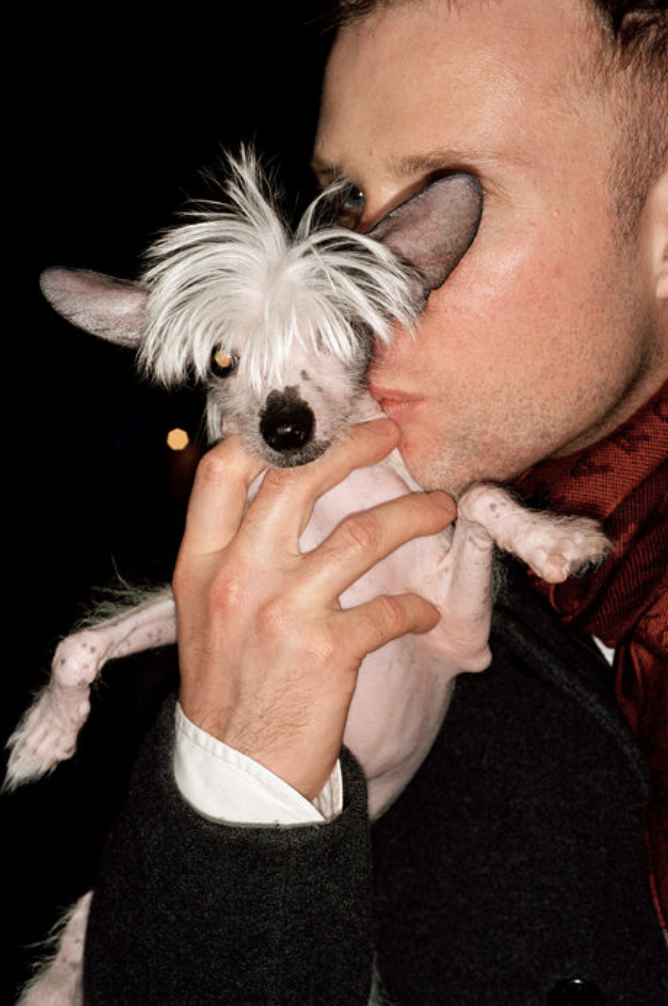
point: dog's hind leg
(59, 980)
(47, 734)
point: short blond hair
(630, 60)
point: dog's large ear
(111, 308)
(432, 230)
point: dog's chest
(403, 689)
(412, 567)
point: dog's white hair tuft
(237, 279)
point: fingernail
(382, 425)
(443, 501)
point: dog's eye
(222, 363)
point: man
(510, 884)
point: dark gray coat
(512, 871)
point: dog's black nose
(287, 422)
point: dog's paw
(47, 734)
(556, 548)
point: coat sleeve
(190, 911)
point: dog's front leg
(48, 732)
(488, 517)
(555, 547)
(465, 597)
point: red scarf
(623, 482)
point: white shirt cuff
(226, 786)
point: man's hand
(268, 658)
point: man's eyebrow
(451, 158)
(423, 164)
(432, 160)
(325, 172)
(401, 167)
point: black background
(111, 116)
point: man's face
(544, 338)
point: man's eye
(351, 206)
(353, 197)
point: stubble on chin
(437, 467)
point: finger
(218, 497)
(375, 623)
(364, 538)
(285, 502)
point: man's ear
(110, 308)
(657, 214)
(432, 230)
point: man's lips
(393, 402)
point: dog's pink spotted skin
(345, 289)
(60, 983)
(403, 688)
(48, 732)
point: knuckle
(226, 462)
(281, 626)
(328, 643)
(362, 532)
(227, 594)
(390, 615)
(214, 468)
(275, 618)
(322, 650)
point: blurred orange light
(177, 439)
